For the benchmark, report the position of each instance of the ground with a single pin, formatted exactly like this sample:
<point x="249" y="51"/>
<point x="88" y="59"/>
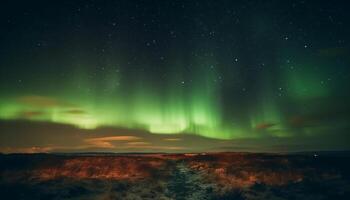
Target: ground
<point x="175" y="176"/>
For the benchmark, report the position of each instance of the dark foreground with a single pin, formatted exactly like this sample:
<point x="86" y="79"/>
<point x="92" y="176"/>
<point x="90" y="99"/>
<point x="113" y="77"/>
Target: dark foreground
<point x="175" y="176"/>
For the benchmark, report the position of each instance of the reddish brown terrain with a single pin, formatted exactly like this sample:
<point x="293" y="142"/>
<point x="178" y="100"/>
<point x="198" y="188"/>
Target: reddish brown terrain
<point x="174" y="176"/>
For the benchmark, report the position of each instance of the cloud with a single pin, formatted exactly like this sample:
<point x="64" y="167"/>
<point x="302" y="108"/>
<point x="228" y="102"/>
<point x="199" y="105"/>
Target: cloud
<point x="299" y="121"/>
<point x="172" y="139"/>
<point x="105" y="142"/>
<point x="75" y="111"/>
<point x="30" y="114"/>
<point x="138" y="143"/>
<point x="34" y="149"/>
<point x="155" y="147"/>
<point x="43" y="101"/>
<point x="264" y="126"/>
<point x="37" y="136"/>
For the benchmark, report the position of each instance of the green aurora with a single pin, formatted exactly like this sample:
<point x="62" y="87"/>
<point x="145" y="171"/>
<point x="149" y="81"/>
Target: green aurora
<point x="179" y="106"/>
<point x="223" y="71"/>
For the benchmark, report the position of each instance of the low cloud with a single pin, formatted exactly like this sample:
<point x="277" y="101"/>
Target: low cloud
<point x="30" y="114"/>
<point x="138" y="143"/>
<point x="154" y="147"/>
<point x="36" y="136"/>
<point x="105" y="142"/>
<point x="75" y="112"/>
<point x="264" y="126"/>
<point x="43" y="101"/>
<point x="172" y="139"/>
<point x="34" y="149"/>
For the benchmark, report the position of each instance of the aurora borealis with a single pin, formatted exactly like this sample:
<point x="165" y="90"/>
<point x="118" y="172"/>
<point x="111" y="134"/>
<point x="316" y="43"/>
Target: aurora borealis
<point x="227" y="71"/>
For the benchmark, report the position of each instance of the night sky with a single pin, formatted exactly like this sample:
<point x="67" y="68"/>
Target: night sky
<point x="162" y="75"/>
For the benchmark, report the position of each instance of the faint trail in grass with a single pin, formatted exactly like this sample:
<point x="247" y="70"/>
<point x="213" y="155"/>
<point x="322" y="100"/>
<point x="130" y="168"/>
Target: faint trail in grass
<point x="187" y="184"/>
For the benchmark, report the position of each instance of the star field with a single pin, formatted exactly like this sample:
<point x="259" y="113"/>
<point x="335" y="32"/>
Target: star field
<point x="218" y="69"/>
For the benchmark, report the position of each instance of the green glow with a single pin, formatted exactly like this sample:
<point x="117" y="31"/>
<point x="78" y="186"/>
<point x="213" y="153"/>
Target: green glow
<point x="305" y="83"/>
<point x="180" y="105"/>
<point x="270" y="116"/>
<point x="184" y="106"/>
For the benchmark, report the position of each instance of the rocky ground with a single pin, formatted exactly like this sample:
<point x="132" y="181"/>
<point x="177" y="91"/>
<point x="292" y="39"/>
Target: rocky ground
<point x="181" y="176"/>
